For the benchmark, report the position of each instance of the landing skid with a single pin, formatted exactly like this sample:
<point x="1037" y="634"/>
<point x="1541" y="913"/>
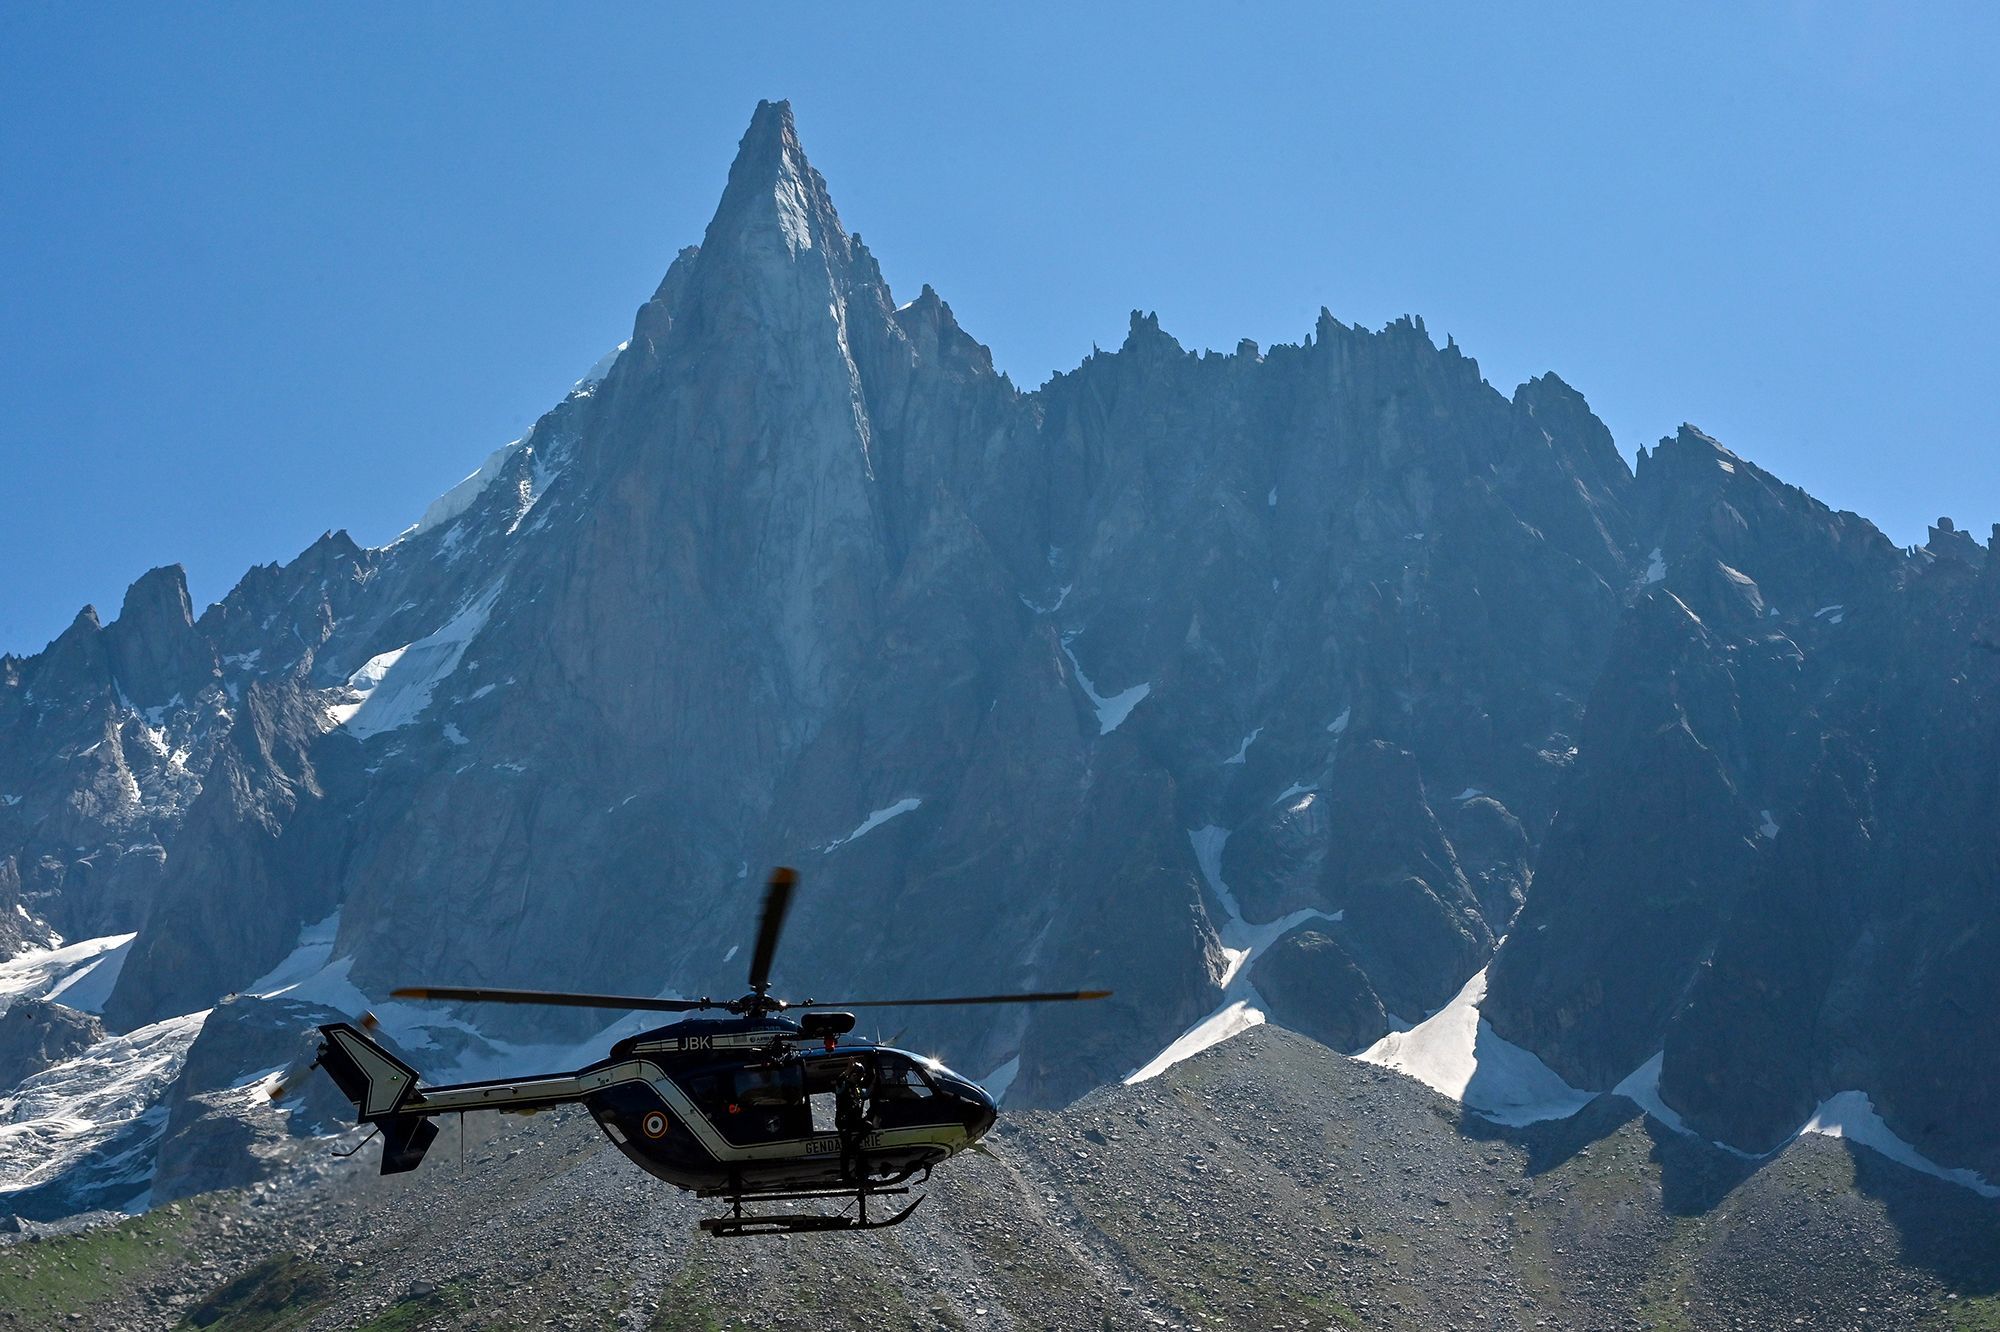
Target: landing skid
<point x="787" y="1223"/>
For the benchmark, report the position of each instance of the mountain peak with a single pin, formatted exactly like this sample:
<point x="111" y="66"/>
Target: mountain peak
<point x="771" y="128"/>
<point x="771" y="182"/>
<point x="160" y="596"/>
<point x="154" y="650"/>
<point x="935" y="333"/>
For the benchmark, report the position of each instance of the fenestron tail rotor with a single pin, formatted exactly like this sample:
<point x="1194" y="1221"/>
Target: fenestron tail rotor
<point x="770" y="926"/>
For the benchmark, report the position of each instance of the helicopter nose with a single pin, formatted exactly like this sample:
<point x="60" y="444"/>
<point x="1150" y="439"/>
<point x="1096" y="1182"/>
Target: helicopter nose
<point x="979" y="1117"/>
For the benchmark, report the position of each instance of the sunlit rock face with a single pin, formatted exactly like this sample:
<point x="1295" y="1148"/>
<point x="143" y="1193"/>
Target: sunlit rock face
<point x="1053" y="688"/>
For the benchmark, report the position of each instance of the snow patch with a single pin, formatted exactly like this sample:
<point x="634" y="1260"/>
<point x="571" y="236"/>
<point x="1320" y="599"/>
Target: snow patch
<point x="1338" y="726"/>
<point x="1469" y="793"/>
<point x="37" y="973"/>
<point x="1000" y="1079"/>
<point x="545" y="465"/>
<point x="62" y="1117"/>
<point x="309" y="956"/>
<point x="1851" y="1115"/>
<point x="393" y="688"/>
<point x="1656" y="567"/>
<point x="453" y="734"/>
<point x="9" y="800"/>
<point x="1767" y="828"/>
<point x="1062" y="595"/>
<point x="88" y="987"/>
<point x="1111" y="711"/>
<point x="596" y="374"/>
<point x="1231" y="1019"/>
<point x="255" y="1090"/>
<point x="454" y="502"/>
<point x="1455" y="1052"/>
<point x="1833" y="614"/>
<point x="876" y="820"/>
<point x="1242" y="1007"/>
<point x="1642" y="1088"/>
<point x="1243" y="749"/>
<point x="419" y="1027"/>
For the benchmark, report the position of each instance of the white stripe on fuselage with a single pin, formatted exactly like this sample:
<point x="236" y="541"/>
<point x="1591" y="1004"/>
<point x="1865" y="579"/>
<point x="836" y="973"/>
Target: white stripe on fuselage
<point x="576" y="1086"/>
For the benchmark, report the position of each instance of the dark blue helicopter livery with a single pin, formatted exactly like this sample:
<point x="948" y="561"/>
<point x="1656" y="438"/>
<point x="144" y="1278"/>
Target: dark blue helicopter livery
<point x="754" y="1105"/>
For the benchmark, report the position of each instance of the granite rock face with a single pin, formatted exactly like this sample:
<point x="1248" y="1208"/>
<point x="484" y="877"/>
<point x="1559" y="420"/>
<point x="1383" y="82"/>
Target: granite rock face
<point x="1052" y="688"/>
<point x="1316" y="989"/>
<point x="36" y="1034"/>
<point x="1774" y="861"/>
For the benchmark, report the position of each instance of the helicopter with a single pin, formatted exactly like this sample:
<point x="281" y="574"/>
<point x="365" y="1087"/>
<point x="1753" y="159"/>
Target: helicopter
<point x="746" y="1106"/>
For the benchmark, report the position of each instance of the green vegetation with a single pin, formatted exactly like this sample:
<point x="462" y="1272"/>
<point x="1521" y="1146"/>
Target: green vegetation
<point x="284" y="1290"/>
<point x="420" y="1311"/>
<point x="1981" y="1313"/>
<point x="45" y="1280"/>
<point x="683" y="1306"/>
<point x="1328" y="1307"/>
<point x="1663" y="1294"/>
<point x="267" y="1296"/>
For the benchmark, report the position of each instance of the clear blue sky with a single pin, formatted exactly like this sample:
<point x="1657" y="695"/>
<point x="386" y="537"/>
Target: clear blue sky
<point x="267" y="270"/>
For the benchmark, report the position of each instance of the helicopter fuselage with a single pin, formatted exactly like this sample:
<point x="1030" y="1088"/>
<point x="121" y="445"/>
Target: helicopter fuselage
<point x="751" y="1105"/>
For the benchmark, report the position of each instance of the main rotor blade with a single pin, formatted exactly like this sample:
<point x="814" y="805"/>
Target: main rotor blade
<point x="777" y="901"/>
<point x="1044" y="998"/>
<point x="630" y="1002"/>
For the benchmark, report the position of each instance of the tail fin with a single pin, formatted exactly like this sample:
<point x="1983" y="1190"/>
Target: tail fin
<point x="405" y="1139"/>
<point x="380" y="1085"/>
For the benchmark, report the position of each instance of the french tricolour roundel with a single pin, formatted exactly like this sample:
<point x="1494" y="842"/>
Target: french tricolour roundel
<point x="654" y="1125"/>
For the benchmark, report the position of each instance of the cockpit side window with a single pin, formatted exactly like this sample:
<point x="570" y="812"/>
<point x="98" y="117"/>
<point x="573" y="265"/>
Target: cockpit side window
<point x="898" y="1079"/>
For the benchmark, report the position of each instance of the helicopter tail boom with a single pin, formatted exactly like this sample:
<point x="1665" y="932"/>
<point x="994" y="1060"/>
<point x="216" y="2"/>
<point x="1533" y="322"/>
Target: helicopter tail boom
<point x="386" y="1095"/>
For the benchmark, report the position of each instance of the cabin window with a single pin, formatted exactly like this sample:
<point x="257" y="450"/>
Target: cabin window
<point x="751" y="1105"/>
<point x="824" y="1072"/>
